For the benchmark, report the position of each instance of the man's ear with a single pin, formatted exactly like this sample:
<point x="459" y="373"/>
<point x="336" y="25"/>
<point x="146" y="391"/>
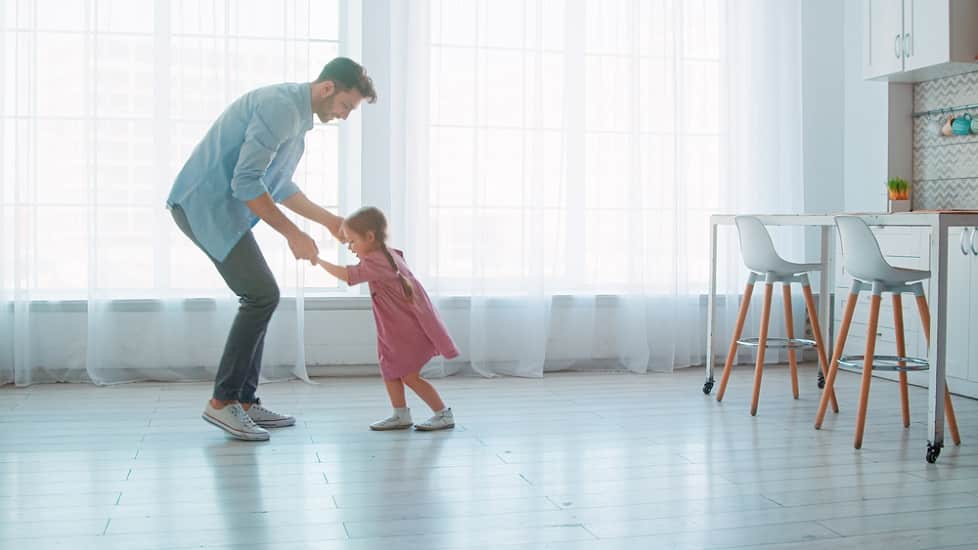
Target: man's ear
<point x="328" y="88"/>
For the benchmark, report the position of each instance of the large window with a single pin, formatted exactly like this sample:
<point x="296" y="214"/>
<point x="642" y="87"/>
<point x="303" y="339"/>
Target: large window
<point x="561" y="131"/>
<point x="101" y="103"/>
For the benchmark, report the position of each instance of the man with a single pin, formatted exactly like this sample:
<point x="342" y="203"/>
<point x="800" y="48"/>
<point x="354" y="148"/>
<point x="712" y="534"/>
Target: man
<point x="234" y="178"/>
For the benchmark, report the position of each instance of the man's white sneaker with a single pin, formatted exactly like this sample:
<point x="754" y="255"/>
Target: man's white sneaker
<point x="443" y="420"/>
<point x="400" y="420"/>
<point x="234" y="420"/>
<point x="269" y="419"/>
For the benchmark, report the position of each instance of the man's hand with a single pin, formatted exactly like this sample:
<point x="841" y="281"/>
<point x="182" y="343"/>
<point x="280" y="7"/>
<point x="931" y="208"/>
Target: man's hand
<point x="340" y="234"/>
<point x="303" y="247"/>
<point x="301" y="205"/>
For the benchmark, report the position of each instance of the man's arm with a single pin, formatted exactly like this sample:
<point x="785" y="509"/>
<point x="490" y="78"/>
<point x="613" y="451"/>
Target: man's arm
<point x="269" y="127"/>
<point x="301" y="205"/>
<point x="337" y="271"/>
<point x="302" y="245"/>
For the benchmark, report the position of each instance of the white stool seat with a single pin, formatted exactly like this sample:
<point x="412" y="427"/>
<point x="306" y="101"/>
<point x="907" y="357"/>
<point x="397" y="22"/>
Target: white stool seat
<point x="791" y="268"/>
<point x="759" y="253"/>
<point x="903" y="275"/>
<point x="864" y="259"/>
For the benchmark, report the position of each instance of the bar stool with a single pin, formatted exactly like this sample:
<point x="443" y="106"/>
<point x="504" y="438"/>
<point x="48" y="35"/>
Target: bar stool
<point x="869" y="270"/>
<point x="763" y="261"/>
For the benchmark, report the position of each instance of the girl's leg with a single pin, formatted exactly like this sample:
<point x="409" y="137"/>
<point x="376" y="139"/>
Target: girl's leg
<point x="425" y="391"/>
<point x="401" y="419"/>
<point x="395" y="389"/>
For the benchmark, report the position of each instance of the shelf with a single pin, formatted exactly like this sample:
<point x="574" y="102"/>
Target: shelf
<point x="971" y="107"/>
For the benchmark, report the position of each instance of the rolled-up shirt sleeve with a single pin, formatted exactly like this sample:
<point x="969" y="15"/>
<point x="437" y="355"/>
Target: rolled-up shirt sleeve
<point x="284" y="191"/>
<point x="270" y="126"/>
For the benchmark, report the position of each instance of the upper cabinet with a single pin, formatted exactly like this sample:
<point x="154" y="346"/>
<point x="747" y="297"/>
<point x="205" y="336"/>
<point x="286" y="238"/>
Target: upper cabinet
<point x="916" y="40"/>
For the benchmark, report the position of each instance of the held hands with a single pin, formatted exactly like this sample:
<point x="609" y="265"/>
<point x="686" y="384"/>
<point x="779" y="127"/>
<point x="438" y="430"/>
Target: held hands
<point x="304" y="247"/>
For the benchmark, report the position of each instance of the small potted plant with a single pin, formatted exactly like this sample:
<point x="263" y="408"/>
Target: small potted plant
<point x="898" y="195"/>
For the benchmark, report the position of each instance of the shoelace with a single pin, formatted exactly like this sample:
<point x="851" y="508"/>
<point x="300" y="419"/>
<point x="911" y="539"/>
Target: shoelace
<point x="242" y="415"/>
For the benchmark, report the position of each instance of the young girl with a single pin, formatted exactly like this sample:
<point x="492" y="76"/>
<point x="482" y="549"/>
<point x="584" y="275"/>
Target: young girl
<point x="409" y="331"/>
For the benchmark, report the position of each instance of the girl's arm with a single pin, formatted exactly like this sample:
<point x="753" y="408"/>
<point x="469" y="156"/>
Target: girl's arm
<point x="337" y="271"/>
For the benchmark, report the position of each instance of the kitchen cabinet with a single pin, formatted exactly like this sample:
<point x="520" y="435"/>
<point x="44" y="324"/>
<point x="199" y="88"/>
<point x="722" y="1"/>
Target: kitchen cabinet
<point x="916" y="40"/>
<point x="962" y="320"/>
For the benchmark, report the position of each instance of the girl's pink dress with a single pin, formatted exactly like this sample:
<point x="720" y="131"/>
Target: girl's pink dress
<point x="409" y="333"/>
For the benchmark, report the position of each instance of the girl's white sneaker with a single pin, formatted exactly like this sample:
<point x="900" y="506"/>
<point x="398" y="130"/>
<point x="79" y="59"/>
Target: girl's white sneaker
<point x="443" y="420"/>
<point x="400" y="420"/>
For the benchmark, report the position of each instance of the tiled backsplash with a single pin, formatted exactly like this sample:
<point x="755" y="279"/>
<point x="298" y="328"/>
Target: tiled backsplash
<point x="945" y="168"/>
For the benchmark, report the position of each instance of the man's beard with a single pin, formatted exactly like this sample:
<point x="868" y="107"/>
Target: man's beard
<point x="325" y="113"/>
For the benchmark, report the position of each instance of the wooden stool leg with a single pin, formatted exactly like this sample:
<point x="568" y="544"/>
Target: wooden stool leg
<point x="901" y="349"/>
<point x="789" y="327"/>
<point x="819" y="344"/>
<point x="924" y="317"/>
<point x="874" y="317"/>
<point x="952" y="421"/>
<point x="761" y="346"/>
<point x="732" y="352"/>
<point x="840" y="344"/>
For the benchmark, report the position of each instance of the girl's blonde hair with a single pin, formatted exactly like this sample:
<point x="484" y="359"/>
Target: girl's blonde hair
<point x="369" y="219"/>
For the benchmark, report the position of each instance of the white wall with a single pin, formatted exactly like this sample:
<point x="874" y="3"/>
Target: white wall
<point x="865" y="127"/>
<point x="823" y="106"/>
<point x="844" y="117"/>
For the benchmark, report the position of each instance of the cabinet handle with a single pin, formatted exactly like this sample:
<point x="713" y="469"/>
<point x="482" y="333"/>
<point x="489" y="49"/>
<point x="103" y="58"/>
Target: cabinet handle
<point x="974" y="244"/>
<point x="964" y="240"/>
<point x="896" y="46"/>
<point x="907" y="45"/>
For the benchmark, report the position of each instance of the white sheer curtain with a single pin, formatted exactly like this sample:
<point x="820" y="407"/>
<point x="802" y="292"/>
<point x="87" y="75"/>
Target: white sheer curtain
<point x="100" y="104"/>
<point x="556" y="163"/>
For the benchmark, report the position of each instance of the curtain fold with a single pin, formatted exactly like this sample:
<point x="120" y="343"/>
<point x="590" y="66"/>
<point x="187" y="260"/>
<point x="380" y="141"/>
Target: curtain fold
<point x="561" y="161"/>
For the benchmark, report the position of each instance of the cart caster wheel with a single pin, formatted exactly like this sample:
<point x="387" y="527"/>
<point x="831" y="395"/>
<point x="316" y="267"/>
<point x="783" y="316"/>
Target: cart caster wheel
<point x="932" y="453"/>
<point x="707" y="387"/>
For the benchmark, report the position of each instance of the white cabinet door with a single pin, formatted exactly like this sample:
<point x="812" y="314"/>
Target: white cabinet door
<point x="973" y="328"/>
<point x="927" y="31"/>
<point x="882" y="37"/>
<point x="960" y="302"/>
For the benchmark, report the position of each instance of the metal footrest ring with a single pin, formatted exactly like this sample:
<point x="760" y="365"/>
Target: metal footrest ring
<point x="886" y="362"/>
<point x="789" y="343"/>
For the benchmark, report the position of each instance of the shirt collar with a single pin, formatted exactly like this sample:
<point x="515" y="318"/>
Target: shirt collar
<point x="305" y="106"/>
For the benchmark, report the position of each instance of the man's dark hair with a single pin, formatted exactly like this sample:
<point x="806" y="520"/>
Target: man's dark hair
<point x="346" y="73"/>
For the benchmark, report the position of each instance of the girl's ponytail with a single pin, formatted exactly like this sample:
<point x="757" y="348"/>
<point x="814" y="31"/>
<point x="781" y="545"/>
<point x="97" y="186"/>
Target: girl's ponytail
<point x="405" y="284"/>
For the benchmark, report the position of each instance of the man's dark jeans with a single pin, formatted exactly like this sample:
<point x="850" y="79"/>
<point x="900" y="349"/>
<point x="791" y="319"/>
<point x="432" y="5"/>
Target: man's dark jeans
<point x="247" y="275"/>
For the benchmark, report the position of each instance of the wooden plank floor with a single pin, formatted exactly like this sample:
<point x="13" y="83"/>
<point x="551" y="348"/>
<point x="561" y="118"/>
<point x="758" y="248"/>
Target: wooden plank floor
<point x="573" y="461"/>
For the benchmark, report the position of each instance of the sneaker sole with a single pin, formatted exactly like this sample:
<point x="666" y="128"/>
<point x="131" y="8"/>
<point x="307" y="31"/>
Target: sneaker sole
<point x="404" y="427"/>
<point x="232" y="432"/>
<point x="427" y="429"/>
<point x="277" y="423"/>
